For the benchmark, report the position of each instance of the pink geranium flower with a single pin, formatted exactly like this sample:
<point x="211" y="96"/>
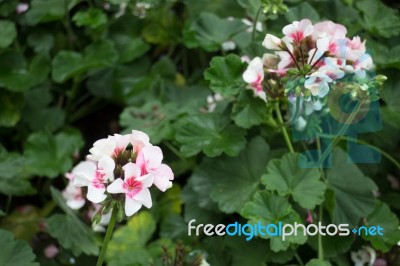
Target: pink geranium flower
<point x="254" y="76"/>
<point x="149" y="162"/>
<point x="298" y="30"/>
<point x="94" y="177"/>
<point x="135" y="187"/>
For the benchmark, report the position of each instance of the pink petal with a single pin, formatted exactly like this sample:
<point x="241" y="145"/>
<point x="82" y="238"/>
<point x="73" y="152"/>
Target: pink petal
<point x="162" y="177"/>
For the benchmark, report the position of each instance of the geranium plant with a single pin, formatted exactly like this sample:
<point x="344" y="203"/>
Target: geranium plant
<point x="131" y="128"/>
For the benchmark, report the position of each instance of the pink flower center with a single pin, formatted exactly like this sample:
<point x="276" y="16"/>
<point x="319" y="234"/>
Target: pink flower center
<point x="98" y="181"/>
<point x="297" y="36"/>
<point x="133" y="186"/>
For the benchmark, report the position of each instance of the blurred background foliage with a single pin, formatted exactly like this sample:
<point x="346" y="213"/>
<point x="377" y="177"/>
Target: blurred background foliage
<point x="74" y="71"/>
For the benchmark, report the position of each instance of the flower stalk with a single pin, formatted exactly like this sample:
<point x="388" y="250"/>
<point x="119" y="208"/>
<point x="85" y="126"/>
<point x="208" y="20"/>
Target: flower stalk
<point x="108" y="235"/>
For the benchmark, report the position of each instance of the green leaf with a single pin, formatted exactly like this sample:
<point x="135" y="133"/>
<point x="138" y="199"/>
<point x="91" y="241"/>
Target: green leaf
<point x="10" y="108"/>
<point x="386" y="219"/>
<point x="287" y="178"/>
<point x="93" y="18"/>
<point x="48" y="10"/>
<point x="252" y="7"/>
<point x="213" y="134"/>
<point x="41" y="42"/>
<point x="353" y="197"/>
<point x="8" y="32"/>
<point x="196" y="196"/>
<point x="15" y="252"/>
<point x="129" y="48"/>
<point x="235" y="180"/>
<point x="16" y="76"/>
<point x="272" y="209"/>
<point x="127" y="246"/>
<point x="67" y="64"/>
<point x="245" y="254"/>
<point x="72" y="234"/>
<point x="210" y="31"/>
<point x="248" y="110"/>
<point x="390" y="93"/>
<point x="225" y="75"/>
<point x="13" y="175"/>
<point x="302" y="11"/>
<point x="50" y="155"/>
<point x="385" y="26"/>
<point x="153" y="118"/>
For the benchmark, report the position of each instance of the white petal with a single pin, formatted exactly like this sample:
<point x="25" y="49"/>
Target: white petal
<point x="323" y="44"/>
<point x="289" y="29"/>
<point x="76" y="204"/>
<point x="271" y="42"/>
<point x="249" y="76"/>
<point x="102" y="147"/>
<point x="116" y="186"/>
<point x="131" y="206"/>
<point x="144" y="198"/>
<point x="131" y="170"/>
<point x="96" y="195"/>
<point x="85" y="169"/>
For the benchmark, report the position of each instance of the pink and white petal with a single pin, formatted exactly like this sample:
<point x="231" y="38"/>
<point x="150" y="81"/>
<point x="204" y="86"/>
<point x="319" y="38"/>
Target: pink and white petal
<point x="305" y="26"/>
<point x="249" y="76"/>
<point x="122" y="141"/>
<point x="116" y="187"/>
<point x="162" y="177"/>
<point x="139" y="139"/>
<point x="131" y="170"/>
<point x="106" y="166"/>
<point x="81" y="181"/>
<point x="102" y="147"/>
<point x="85" y="169"/>
<point x="144" y="197"/>
<point x="323" y="44"/>
<point x="146" y="180"/>
<point x="131" y="206"/>
<point x="289" y="29"/>
<point x="153" y="156"/>
<point x="96" y="195"/>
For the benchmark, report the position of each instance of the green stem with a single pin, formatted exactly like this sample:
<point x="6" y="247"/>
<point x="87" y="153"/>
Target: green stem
<point x="283" y="128"/>
<point x="359" y="141"/>
<point x="253" y="34"/>
<point x="296" y="255"/>
<point x="107" y="238"/>
<point x="328" y="150"/>
<point x="320" y="247"/>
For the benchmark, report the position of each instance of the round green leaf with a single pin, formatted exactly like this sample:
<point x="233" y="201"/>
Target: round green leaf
<point x="287" y="178"/>
<point x="15" y="252"/>
<point x="225" y="75"/>
<point x="213" y="134"/>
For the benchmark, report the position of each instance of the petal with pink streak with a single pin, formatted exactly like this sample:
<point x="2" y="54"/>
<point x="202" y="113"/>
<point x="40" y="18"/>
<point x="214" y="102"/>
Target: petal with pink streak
<point x="131" y="170"/>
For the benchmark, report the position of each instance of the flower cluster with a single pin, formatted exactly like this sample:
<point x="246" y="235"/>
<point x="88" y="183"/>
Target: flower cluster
<point x="119" y="167"/>
<point x="320" y="54"/>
